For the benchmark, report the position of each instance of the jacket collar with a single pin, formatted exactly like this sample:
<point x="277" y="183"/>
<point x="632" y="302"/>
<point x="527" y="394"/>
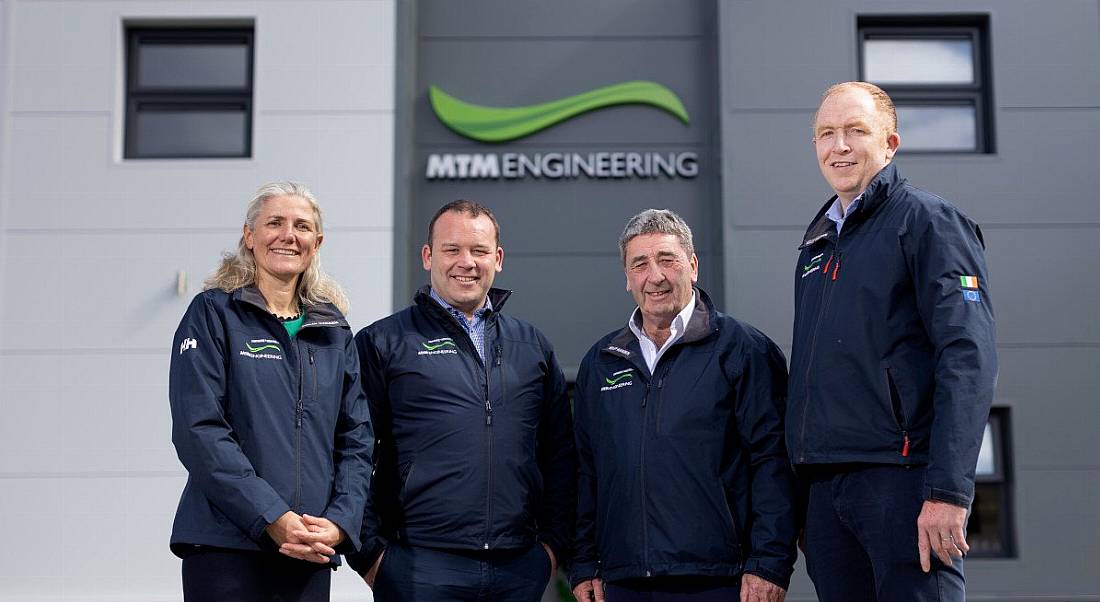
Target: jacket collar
<point x="701" y="325"/>
<point x="497" y="296"/>
<point x="878" y="192"/>
<point x="321" y="314"/>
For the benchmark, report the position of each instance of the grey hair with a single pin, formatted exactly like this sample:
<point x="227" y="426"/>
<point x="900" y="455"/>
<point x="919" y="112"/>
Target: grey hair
<point x="656" y="221"/>
<point x="238" y="269"/>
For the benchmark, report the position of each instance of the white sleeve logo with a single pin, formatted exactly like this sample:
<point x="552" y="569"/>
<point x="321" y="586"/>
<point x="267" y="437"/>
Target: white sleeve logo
<point x="188" y="344"/>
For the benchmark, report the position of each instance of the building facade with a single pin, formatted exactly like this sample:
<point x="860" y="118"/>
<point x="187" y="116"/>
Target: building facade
<point x="133" y="132"/>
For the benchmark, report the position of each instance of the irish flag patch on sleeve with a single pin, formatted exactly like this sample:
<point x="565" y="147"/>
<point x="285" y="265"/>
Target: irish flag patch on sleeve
<point x="969" y="281"/>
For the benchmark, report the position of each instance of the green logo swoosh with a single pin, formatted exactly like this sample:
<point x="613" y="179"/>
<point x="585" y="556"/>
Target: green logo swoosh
<point x="434" y="347"/>
<point x="612" y="381"/>
<point x="261" y="348"/>
<point x="499" y="124"/>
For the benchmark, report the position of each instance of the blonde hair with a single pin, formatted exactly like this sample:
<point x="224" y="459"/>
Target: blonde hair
<point x="238" y="269"/>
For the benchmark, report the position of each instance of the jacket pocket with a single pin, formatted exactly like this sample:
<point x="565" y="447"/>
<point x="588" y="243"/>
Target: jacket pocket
<point x="897" y="406"/>
<point x="406" y="476"/>
<point x="735" y="532"/>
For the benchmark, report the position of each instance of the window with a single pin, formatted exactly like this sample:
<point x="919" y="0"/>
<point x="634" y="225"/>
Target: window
<point x="937" y="72"/>
<point x="989" y="531"/>
<point x="188" y="92"/>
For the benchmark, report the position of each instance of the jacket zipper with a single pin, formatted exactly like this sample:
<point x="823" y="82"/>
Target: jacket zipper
<point x="641" y="480"/>
<point x="298" y="431"/>
<point x="489" y="445"/>
<point x="834" y="263"/>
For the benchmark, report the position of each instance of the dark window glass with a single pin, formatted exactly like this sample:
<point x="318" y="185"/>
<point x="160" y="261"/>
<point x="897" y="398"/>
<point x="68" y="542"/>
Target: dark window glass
<point x="990" y="530"/>
<point x="937" y="71"/>
<point x="189" y="92"/>
<point x="193" y="66"/>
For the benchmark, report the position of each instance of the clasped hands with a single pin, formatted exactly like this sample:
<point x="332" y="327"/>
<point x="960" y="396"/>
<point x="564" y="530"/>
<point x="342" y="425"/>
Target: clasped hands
<point x="306" y="537"/>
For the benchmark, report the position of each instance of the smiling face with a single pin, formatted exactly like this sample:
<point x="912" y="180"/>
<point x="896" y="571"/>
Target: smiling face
<point x="852" y="142"/>
<point x="285" y="238"/>
<point x="463" y="259"/>
<point x="659" y="275"/>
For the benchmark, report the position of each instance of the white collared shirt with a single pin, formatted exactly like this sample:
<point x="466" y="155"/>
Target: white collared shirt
<point x="649" y="349"/>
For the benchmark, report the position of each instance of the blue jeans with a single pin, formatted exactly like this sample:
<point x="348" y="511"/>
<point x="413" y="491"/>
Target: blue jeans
<point x="861" y="537"/>
<point x="410" y="574"/>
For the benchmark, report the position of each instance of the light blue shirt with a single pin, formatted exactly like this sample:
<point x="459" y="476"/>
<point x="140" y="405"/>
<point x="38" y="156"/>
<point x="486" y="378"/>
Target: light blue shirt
<point x="837" y="213"/>
<point x="476" y="328"/>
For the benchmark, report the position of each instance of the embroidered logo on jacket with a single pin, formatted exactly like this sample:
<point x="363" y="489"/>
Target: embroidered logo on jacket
<point x="262" y="349"/>
<point x="618" y="380"/>
<point x="188" y="344"/>
<point x="813" y="266"/>
<point x="445" y="345"/>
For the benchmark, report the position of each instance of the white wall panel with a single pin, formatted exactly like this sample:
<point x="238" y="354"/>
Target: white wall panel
<point x="86" y="461"/>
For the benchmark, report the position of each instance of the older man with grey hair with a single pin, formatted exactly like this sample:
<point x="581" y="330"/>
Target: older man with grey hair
<point x="685" y="491"/>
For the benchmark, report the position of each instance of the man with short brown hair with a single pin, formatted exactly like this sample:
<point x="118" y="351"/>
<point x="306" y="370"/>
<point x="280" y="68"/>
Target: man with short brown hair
<point x="474" y="494"/>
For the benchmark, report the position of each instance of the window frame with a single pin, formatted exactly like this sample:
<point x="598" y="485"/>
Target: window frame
<point x="186" y="98"/>
<point x="1000" y="422"/>
<point x="978" y="93"/>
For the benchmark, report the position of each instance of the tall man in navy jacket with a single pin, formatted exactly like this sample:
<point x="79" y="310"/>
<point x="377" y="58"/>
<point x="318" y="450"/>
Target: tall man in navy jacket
<point x="685" y="490"/>
<point x="474" y="494"/>
<point x="892" y="369"/>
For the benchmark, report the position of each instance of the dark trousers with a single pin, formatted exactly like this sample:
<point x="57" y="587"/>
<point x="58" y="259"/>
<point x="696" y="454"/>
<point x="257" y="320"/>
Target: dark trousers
<point x="216" y="574"/>
<point x="675" y="589"/>
<point x="419" y="574"/>
<point x="861" y="537"/>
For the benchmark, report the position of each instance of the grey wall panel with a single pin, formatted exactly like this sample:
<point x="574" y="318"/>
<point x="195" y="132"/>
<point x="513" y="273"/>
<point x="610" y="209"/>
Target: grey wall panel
<point x="574" y="299"/>
<point x="1035" y="278"/>
<point x="1057" y="523"/>
<point x="1039" y="50"/>
<point x="534" y="19"/>
<point x="527" y="72"/>
<point x="1036" y="203"/>
<point x="108" y="299"/>
<point x="77" y="185"/>
<point x="775" y="55"/>
<point x="773" y="169"/>
<point x="1048" y="391"/>
<point x="760" y="290"/>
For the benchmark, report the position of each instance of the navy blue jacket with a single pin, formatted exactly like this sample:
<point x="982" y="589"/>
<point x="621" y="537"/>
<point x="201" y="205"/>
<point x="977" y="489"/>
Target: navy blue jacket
<point x="683" y="471"/>
<point x="471" y="455"/>
<point x="265" y="424"/>
<point x="894" y="357"/>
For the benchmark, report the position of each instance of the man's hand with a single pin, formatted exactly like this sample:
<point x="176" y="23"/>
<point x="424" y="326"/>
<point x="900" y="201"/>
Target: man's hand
<point x="372" y="572"/>
<point x="306" y="537"/>
<point x="758" y="589"/>
<point x="941" y="528"/>
<point x="553" y="562"/>
<point x="590" y="590"/>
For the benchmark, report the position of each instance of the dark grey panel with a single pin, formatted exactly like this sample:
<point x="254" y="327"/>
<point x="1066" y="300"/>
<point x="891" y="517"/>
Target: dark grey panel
<point x="579" y="216"/>
<point x="526" y="72"/>
<point x="560" y="236"/>
<point x="572" y="18"/>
